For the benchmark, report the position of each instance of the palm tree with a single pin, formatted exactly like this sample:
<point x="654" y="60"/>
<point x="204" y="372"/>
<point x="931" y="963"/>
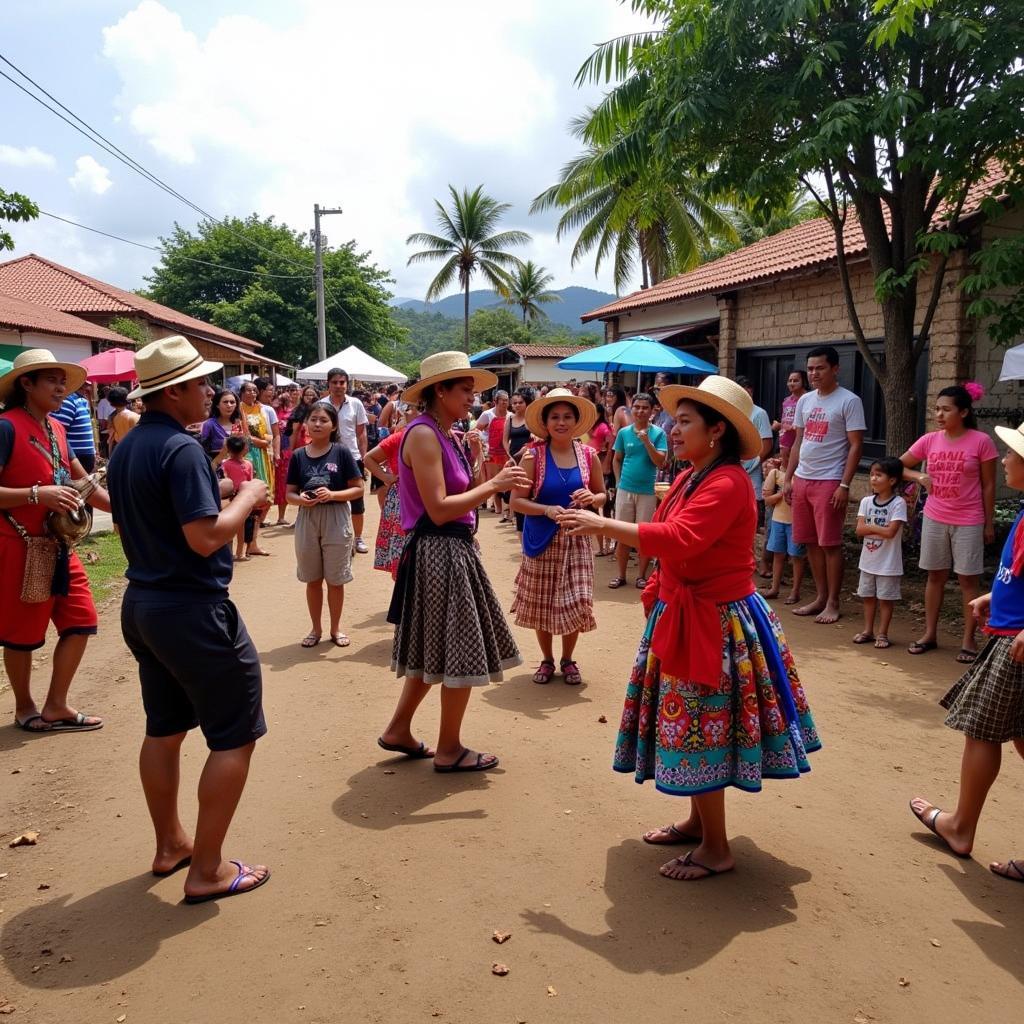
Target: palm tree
<point x="654" y="216"/>
<point x="467" y="243"/>
<point x="757" y="217"/>
<point x="526" y="290"/>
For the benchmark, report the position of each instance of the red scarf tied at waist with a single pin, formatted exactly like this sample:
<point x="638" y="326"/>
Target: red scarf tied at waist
<point x="688" y="636"/>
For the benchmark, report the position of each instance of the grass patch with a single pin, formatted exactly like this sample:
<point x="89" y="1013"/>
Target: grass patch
<point x="105" y="563"/>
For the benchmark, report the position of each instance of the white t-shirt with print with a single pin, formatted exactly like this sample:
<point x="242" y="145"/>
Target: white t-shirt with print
<point x="825" y="421"/>
<point x="881" y="556"/>
<point x="351" y="415"/>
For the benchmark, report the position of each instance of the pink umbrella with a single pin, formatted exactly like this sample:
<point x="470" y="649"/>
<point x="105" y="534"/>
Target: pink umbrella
<point x="116" y="364"/>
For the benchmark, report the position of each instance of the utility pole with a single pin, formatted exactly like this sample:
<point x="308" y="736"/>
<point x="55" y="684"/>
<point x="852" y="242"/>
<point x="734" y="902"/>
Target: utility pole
<point x="321" y="325"/>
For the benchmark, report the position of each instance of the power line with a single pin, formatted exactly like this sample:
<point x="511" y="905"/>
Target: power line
<point x="98" y="139"/>
<point x="191" y="259"/>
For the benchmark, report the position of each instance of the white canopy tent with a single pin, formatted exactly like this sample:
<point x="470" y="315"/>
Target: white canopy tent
<point x="1013" y="364"/>
<point x="280" y="380"/>
<point x="357" y="364"/>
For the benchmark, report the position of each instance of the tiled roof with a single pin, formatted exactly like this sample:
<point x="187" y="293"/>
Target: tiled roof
<point x="50" y="284"/>
<point x="30" y="316"/>
<point x="806" y="247"/>
<point x="548" y="351"/>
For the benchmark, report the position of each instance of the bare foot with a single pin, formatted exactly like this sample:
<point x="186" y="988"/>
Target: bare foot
<point x="696" y="865"/>
<point x="792" y="599"/>
<point x="464" y="756"/>
<point x="66" y="713"/>
<point x="809" y="609"/>
<point x="770" y="592"/>
<point x="939" y="823"/>
<point x="1011" y="869"/>
<point x="688" y="831"/>
<point x="170" y="858"/>
<point x="232" y="876"/>
<point x="828" y="615"/>
<point x="403" y="741"/>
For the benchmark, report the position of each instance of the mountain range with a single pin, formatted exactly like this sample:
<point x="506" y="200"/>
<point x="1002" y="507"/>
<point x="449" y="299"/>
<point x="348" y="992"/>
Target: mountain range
<point x="575" y="302"/>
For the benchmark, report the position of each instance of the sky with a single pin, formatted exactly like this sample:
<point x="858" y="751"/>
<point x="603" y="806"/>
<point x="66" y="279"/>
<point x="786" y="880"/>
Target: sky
<point x="269" y="106"/>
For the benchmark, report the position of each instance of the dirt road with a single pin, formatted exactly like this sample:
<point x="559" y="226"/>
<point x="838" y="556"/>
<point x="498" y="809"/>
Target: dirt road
<point x="389" y="879"/>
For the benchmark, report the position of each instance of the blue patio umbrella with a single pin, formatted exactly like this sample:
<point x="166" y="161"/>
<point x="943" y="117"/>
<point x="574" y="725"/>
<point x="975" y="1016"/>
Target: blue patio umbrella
<point x="640" y="354"/>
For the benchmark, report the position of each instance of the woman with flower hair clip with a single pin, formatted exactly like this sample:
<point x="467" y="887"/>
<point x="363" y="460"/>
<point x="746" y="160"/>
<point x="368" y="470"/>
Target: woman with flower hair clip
<point x="958" y="519"/>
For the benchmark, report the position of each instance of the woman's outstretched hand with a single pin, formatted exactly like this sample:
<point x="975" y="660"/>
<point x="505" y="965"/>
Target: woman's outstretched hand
<point x="581" y="523"/>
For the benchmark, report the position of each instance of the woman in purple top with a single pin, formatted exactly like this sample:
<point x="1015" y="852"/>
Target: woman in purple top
<point x="225" y="419"/>
<point x="449" y="626"/>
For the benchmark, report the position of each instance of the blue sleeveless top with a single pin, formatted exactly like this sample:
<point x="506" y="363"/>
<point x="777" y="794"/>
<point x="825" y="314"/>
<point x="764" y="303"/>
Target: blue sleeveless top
<point x="557" y="489"/>
<point x="1007" y="610"/>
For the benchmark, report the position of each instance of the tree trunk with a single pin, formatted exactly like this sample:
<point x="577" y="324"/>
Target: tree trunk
<point x="898" y="387"/>
<point x="465" y="315"/>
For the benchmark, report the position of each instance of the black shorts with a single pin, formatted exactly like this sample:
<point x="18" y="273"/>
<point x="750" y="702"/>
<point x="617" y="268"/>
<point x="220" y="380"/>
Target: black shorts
<point x="197" y="666"/>
<point x="359" y="505"/>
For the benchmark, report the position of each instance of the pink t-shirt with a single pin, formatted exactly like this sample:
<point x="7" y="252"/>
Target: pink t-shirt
<point x="599" y="436"/>
<point x="954" y="465"/>
<point x="237" y="471"/>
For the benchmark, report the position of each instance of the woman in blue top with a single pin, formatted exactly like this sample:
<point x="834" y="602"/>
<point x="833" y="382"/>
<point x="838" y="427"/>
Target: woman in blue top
<point x="554" y="588"/>
<point x="987" y="703"/>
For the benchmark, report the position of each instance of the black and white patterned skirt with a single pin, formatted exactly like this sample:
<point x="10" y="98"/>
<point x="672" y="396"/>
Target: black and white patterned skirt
<point x="452" y="628"/>
<point x="987" y="702"/>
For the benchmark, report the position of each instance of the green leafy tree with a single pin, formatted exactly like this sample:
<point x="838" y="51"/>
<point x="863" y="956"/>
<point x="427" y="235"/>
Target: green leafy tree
<point x="254" y="277"/>
<point x="129" y="328"/>
<point x="644" y="211"/>
<point x="527" y="290"/>
<point x="468" y="244"/>
<point x="889" y="110"/>
<point x="755" y="217"/>
<point x="14" y="206"/>
<point x="492" y="328"/>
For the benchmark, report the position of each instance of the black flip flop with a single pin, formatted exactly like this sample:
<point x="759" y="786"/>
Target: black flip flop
<point x="689" y="862"/>
<point x="232" y="889"/>
<point x="415" y="753"/>
<point x="183" y="863"/>
<point x="680" y="837"/>
<point x="76" y="724"/>
<point x="922" y="648"/>
<point x="966" y="657"/>
<point x="928" y="820"/>
<point x="480" y="766"/>
<point x="27" y="724"/>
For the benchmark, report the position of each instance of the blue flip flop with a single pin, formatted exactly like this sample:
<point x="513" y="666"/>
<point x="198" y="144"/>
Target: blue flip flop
<point x="232" y="889"/>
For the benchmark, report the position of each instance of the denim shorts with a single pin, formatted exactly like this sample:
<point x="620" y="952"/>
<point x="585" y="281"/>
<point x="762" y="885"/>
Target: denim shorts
<point x="780" y="540"/>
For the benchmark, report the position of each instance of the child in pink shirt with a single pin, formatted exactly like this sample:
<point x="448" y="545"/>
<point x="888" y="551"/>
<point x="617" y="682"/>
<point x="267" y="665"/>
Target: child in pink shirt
<point x="238" y="470"/>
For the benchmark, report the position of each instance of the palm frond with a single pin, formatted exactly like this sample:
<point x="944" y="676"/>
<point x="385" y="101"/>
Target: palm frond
<point x="442" y="283"/>
<point x="613" y="59"/>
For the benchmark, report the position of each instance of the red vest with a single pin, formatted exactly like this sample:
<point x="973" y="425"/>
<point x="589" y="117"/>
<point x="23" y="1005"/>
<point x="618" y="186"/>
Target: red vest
<point x="30" y="464"/>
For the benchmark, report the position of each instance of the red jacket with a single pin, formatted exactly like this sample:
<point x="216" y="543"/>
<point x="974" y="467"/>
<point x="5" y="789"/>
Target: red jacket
<point x="705" y="550"/>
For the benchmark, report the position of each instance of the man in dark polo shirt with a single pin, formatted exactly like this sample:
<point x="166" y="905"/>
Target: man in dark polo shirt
<point x="197" y="664"/>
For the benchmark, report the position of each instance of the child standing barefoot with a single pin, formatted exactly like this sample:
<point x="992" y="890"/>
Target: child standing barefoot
<point x="987" y="703"/>
<point x="880" y="521"/>
<point x="780" y="541"/>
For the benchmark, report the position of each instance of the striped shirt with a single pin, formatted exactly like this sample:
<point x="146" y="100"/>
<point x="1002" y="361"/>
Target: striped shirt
<point x="77" y="420"/>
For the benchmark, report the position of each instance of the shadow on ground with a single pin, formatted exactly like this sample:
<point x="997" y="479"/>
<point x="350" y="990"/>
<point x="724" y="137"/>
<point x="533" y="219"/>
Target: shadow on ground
<point x="665" y="927"/>
<point x="106" y="934"/>
<point x="525" y="697"/>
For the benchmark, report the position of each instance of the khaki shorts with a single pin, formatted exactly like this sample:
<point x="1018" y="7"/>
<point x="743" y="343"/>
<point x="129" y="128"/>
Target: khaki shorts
<point x="634" y="508"/>
<point x="960" y="548"/>
<point x="885" y="588"/>
<point x="323" y="544"/>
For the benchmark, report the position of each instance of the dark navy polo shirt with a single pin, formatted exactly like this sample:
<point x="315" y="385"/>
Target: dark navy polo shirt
<point x="159" y="479"/>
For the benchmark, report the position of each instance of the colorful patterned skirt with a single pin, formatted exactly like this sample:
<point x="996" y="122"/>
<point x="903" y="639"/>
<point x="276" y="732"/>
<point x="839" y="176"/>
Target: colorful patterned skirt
<point x="693" y="740"/>
<point x="281" y="478"/>
<point x="390" y="535"/>
<point x="262" y="468"/>
<point x="554" y="592"/>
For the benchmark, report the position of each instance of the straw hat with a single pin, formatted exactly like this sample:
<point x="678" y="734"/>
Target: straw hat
<point x="442" y="366"/>
<point x="33" y="359"/>
<point x="169" y="361"/>
<point x="586" y="412"/>
<point x="724" y="396"/>
<point x="1012" y="438"/>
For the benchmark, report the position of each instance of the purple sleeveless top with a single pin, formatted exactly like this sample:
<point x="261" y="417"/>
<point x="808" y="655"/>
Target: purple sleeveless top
<point x="456" y="478"/>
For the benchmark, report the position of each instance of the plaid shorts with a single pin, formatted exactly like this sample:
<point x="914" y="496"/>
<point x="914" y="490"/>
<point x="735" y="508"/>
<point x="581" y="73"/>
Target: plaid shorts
<point x="987" y="702"/>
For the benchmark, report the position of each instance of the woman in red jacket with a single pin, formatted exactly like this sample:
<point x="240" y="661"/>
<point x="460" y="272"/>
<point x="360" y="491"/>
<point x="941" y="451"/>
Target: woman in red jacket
<point x="714" y="699"/>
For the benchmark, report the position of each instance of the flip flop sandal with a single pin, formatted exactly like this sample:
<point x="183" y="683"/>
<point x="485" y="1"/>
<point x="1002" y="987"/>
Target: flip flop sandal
<point x="76" y="724"/>
<point x="232" y="889"/>
<point x="413" y="753"/>
<point x="882" y="642"/>
<point x="310" y="641"/>
<point x="1011" y="865"/>
<point x="966" y="657"/>
<point x="571" y="673"/>
<point x="679" y="837"/>
<point x="928" y="820"/>
<point x="917" y="647"/>
<point x="29" y="727"/>
<point x="689" y="862"/>
<point x="340" y="640"/>
<point x="480" y="765"/>
<point x="864" y="638"/>
<point x="544" y="672"/>
<point x="619" y="581"/>
<point x="641" y="582"/>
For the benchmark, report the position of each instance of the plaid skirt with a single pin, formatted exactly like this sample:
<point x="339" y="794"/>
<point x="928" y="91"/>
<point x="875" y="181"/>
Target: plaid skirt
<point x="453" y="630"/>
<point x="987" y="701"/>
<point x="554" y="592"/>
<point x="390" y="535"/>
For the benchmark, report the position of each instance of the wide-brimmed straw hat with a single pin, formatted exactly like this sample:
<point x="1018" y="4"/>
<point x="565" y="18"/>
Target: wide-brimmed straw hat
<point x="442" y="366"/>
<point x="1012" y="438"/>
<point x="586" y="412"/>
<point x="33" y="359"/>
<point x="724" y="396"/>
<point x="169" y="361"/>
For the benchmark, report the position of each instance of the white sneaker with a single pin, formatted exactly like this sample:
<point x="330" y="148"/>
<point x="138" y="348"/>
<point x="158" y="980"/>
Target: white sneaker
<point x="361" y="546"/>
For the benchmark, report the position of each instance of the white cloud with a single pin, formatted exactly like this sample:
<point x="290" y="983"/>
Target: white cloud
<point x="30" y="156"/>
<point x="328" y="104"/>
<point x="90" y="176"/>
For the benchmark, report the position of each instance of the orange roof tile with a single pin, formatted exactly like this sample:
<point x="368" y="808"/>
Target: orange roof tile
<point x="806" y="247"/>
<point x="21" y="315"/>
<point x="42" y="281"/>
<point x="548" y="351"/>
